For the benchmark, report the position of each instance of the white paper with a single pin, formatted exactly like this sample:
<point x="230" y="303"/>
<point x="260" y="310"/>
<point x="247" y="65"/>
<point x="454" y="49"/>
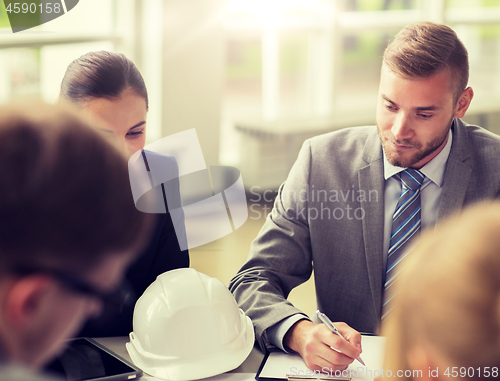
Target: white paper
<point x="280" y="364"/>
<point x="220" y="377"/>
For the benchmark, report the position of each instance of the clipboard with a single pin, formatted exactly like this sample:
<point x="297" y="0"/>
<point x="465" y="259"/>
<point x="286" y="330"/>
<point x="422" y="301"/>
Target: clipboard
<point x="280" y="366"/>
<point x="295" y="373"/>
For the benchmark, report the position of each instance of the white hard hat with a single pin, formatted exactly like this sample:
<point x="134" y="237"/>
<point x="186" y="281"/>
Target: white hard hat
<point x="188" y="326"/>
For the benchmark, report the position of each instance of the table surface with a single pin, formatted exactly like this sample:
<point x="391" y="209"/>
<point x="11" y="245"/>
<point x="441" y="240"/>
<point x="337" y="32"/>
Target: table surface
<point x="373" y="351"/>
<point x="117" y="345"/>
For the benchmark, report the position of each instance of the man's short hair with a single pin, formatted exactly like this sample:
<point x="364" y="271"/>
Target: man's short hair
<point x="423" y="49"/>
<point x="66" y="201"/>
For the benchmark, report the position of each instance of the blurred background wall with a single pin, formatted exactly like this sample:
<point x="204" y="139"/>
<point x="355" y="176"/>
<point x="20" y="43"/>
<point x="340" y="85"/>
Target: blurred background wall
<point x="254" y="77"/>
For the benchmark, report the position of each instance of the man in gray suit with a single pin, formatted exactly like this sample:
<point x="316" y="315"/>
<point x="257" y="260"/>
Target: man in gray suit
<point x="335" y="211"/>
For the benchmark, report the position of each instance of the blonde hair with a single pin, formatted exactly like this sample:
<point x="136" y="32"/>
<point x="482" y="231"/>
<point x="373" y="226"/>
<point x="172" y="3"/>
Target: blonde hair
<point x="423" y="49"/>
<point x="448" y="297"/>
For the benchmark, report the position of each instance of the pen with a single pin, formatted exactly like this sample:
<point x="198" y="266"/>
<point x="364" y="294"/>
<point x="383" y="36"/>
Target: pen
<point x="334" y="329"/>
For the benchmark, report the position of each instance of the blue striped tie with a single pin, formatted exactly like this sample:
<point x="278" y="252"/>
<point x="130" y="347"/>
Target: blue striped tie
<point x="405" y="225"/>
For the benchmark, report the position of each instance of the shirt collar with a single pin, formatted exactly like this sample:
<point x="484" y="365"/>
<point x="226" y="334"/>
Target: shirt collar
<point x="434" y="169"/>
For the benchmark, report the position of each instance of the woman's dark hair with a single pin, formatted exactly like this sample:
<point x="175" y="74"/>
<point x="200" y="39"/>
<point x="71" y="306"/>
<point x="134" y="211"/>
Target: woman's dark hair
<point x="101" y="74"/>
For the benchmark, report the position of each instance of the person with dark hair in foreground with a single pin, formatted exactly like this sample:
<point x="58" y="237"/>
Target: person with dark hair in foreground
<point x="109" y="88"/>
<point x="69" y="229"/>
<point x="355" y="201"/>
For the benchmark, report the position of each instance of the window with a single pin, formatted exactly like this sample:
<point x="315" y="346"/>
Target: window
<point x="300" y="68"/>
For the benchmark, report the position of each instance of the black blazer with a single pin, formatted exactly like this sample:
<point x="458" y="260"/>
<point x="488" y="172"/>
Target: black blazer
<point x="162" y="254"/>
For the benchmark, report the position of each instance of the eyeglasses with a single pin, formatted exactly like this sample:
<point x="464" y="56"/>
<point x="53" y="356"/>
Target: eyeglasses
<point x="120" y="298"/>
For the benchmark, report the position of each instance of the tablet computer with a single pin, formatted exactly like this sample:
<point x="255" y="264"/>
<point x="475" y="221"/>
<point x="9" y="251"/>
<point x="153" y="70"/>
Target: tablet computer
<point x="86" y="359"/>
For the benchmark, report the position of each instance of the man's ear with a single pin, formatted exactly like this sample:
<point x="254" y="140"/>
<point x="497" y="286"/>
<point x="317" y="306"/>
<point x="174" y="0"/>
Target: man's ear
<point x="464" y="102"/>
<point x="26" y="300"/>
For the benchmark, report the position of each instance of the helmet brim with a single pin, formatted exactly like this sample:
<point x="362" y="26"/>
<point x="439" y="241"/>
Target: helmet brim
<point x="197" y="368"/>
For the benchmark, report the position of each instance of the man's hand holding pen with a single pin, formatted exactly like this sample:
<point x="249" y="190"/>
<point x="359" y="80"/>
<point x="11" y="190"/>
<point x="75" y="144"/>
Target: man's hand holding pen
<point x="320" y="348"/>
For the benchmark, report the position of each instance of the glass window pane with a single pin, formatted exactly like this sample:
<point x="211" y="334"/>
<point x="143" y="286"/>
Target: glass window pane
<point x="294" y="74"/>
<point x="4" y="19"/>
<point x="88" y="16"/>
<point x="19" y="73"/>
<point x="39" y="71"/>
<point x="380" y="5"/>
<point x="243" y="89"/>
<point x="359" y="75"/>
<point x="472" y="3"/>
<point x="483" y="45"/>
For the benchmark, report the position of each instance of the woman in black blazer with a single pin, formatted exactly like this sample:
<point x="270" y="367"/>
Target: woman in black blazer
<point x="109" y="88"/>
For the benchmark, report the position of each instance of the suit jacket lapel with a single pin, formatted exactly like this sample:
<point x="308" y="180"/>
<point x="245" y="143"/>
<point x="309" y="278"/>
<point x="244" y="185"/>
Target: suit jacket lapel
<point x="457" y="174"/>
<point x="371" y="178"/>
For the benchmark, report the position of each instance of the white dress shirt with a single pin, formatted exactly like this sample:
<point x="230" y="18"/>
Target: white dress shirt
<point x="430" y="195"/>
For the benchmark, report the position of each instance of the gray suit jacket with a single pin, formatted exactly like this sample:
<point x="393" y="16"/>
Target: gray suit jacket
<point x="330" y="213"/>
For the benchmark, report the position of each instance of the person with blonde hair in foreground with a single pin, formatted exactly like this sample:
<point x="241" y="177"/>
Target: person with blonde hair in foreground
<point x="446" y="318"/>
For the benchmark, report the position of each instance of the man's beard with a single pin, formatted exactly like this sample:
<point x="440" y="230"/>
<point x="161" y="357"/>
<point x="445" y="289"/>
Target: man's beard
<point x="422" y="152"/>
